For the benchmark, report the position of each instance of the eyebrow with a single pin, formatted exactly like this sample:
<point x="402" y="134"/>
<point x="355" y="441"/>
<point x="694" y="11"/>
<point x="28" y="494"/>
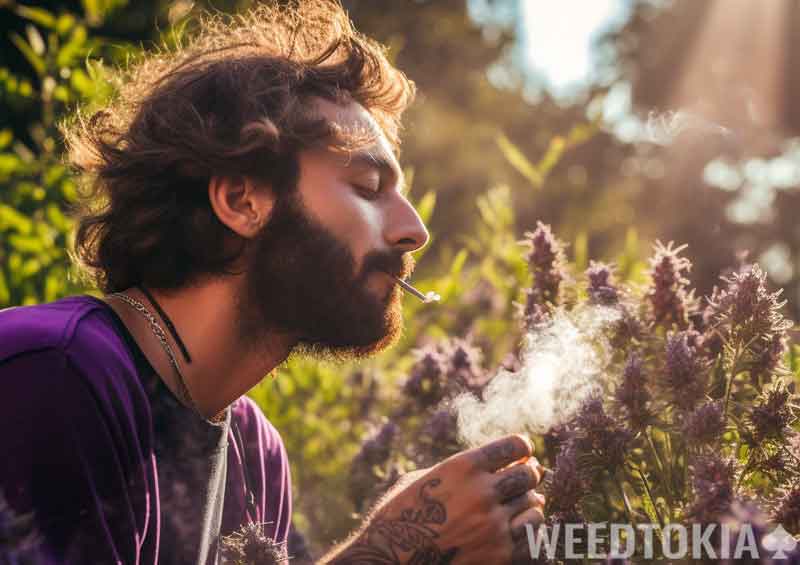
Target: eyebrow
<point x="382" y="164"/>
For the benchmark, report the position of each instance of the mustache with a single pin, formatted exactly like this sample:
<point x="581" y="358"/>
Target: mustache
<point x="399" y="264"/>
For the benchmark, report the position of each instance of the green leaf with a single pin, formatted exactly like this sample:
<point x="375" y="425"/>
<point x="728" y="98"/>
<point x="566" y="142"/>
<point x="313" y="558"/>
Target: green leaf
<point x="426" y="205"/>
<point x="70" y="190"/>
<point x="65" y="23"/>
<point x="6" y="137"/>
<point x="10" y="218"/>
<point x="74" y="48"/>
<point x="61" y="93"/>
<point x="26" y="244"/>
<point x="27" y="51"/>
<point x="553" y="155"/>
<point x="5" y="293"/>
<point x="93" y="11"/>
<point x="519" y="161"/>
<point x="36" y="14"/>
<point x="97" y="10"/>
<point x="54" y="284"/>
<point x="54" y="175"/>
<point x="30" y="267"/>
<point x="458" y="262"/>
<point x="81" y="83"/>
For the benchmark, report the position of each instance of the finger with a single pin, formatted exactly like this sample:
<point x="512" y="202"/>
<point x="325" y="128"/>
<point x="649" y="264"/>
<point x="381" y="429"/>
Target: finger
<point x="502" y="452"/>
<point x="516" y="480"/>
<point x="532" y="516"/>
<point x="521" y="503"/>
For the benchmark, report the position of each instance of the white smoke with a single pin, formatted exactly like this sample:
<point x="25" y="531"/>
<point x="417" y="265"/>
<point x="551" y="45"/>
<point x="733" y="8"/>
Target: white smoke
<point x="664" y="127"/>
<point x="564" y="363"/>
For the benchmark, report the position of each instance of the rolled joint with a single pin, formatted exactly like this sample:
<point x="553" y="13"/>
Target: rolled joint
<point x="426" y="298"/>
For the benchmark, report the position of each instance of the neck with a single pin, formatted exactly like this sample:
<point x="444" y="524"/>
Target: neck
<point x="224" y="365"/>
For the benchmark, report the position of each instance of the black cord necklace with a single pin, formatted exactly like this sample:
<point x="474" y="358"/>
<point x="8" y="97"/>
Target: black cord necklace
<point x="168" y="323"/>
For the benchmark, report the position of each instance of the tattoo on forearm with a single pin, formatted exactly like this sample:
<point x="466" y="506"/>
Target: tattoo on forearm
<point x="410" y="538"/>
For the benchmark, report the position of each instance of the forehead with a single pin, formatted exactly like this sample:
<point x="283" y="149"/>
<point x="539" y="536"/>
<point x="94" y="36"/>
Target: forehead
<point x="353" y="121"/>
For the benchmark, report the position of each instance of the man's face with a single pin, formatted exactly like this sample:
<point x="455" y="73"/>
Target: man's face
<point x="322" y="266"/>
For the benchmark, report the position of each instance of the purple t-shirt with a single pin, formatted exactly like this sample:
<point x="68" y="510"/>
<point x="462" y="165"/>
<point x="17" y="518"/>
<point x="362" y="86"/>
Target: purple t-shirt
<point x="100" y="463"/>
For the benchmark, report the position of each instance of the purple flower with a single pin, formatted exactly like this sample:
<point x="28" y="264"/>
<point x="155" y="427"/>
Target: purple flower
<point x="768" y="355"/>
<point x="555" y="438"/>
<point x="632" y="394"/>
<point x="249" y="546"/>
<point x="532" y="313"/>
<point x="683" y="371"/>
<point x="745" y="312"/>
<point x="368" y="467"/>
<point x="602" y="289"/>
<point x="366" y="387"/>
<point x="567" y="486"/>
<point x="671" y="302"/>
<point x="712" y="488"/>
<point x="426" y="384"/>
<point x="377" y="449"/>
<point x="778" y="465"/>
<point x="788" y="509"/>
<point x="598" y="438"/>
<point x="464" y="365"/>
<point x="705" y="425"/>
<point x="547" y="264"/>
<point x="772" y="414"/>
<point x="450" y="367"/>
<point x="629" y="328"/>
<point x="439" y="436"/>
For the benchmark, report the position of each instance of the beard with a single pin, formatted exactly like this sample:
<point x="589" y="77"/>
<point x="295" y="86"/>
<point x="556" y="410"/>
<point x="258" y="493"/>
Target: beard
<point x="302" y="280"/>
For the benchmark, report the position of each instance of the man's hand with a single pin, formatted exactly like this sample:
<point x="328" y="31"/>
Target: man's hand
<point x="471" y="508"/>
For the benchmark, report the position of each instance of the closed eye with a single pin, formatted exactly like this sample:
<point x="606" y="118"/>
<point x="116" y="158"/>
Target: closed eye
<point x="367" y="192"/>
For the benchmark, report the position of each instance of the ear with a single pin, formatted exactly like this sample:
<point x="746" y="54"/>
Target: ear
<point x="241" y="204"/>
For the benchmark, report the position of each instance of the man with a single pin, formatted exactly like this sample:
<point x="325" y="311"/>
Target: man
<point x="248" y="206"/>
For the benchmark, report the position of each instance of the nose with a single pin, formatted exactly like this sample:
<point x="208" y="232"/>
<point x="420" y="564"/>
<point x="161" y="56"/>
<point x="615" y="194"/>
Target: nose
<point x="404" y="228"/>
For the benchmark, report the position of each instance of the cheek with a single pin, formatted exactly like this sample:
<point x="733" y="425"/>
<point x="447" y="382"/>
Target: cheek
<point x="362" y="229"/>
<point x="352" y="219"/>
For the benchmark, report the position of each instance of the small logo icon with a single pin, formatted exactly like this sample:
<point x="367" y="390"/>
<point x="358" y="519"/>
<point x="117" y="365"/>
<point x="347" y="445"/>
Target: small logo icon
<point x="780" y="542"/>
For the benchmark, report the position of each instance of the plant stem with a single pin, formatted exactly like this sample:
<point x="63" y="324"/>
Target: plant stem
<point x="666" y="475"/>
<point x="628" y="510"/>
<point x="650" y="496"/>
<point x="729" y="383"/>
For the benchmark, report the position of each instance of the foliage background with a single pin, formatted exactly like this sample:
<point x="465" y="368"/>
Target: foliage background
<point x="487" y="162"/>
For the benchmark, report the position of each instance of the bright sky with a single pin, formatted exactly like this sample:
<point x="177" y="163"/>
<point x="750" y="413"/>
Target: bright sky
<point x="557" y="37"/>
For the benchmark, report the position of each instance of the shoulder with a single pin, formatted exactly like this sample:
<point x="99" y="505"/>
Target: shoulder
<point x="53" y="325"/>
<point x="79" y="328"/>
<point x="70" y="349"/>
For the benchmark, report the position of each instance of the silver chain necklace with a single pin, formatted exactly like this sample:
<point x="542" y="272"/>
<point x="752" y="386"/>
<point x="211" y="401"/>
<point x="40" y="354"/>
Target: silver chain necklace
<point x="158" y="331"/>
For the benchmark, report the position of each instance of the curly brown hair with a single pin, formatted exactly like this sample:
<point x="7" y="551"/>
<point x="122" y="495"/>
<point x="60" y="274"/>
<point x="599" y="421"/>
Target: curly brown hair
<point x="235" y="100"/>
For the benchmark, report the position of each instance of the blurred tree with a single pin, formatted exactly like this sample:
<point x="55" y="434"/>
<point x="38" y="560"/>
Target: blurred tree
<point x="719" y="77"/>
<point x="48" y="65"/>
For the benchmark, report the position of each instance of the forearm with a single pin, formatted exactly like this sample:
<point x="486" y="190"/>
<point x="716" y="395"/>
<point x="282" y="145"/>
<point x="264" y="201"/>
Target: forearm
<point x="409" y="534"/>
<point x="393" y="543"/>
